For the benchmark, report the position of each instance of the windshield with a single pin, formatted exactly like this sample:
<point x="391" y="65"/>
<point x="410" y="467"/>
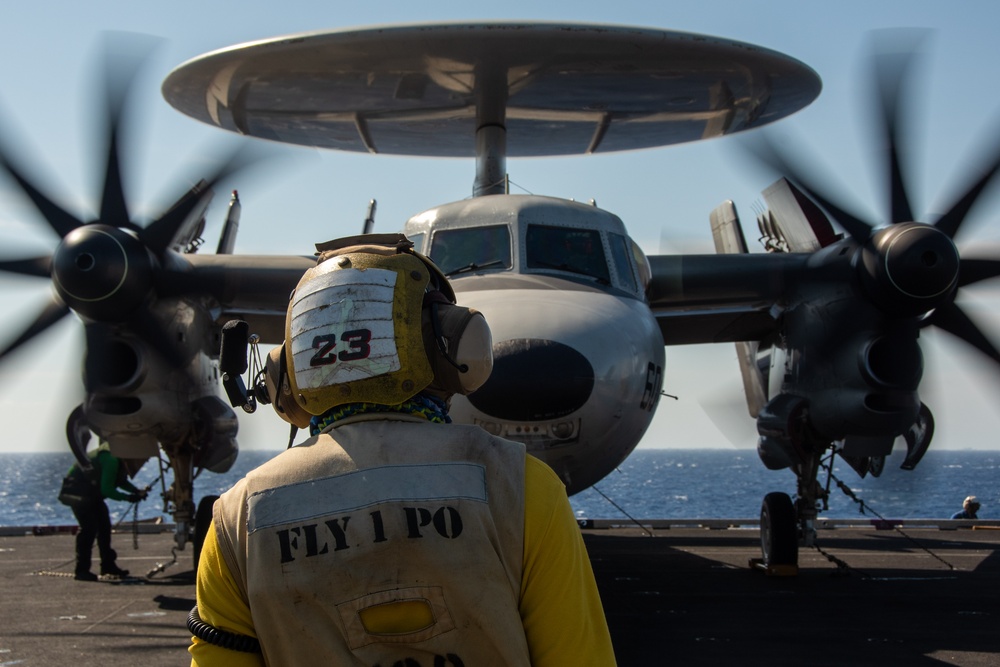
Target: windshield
<point x="623" y="267"/>
<point x="458" y="251"/>
<point x="566" y="249"/>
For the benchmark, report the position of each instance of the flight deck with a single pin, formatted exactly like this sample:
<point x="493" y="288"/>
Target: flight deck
<point x="684" y="593"/>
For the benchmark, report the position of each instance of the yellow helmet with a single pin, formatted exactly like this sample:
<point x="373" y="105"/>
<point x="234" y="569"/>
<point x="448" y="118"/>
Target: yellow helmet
<point x="355" y="328"/>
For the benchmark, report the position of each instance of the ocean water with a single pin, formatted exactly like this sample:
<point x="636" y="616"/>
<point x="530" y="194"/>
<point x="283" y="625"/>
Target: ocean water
<point x="650" y="484"/>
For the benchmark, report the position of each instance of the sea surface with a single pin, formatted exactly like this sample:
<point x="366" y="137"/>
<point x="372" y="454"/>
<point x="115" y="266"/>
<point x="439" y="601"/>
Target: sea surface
<point x="650" y="484"/>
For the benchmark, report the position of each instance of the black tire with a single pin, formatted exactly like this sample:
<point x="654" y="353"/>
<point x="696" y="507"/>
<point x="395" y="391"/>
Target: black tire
<point x="779" y="540"/>
<point x="202" y="521"/>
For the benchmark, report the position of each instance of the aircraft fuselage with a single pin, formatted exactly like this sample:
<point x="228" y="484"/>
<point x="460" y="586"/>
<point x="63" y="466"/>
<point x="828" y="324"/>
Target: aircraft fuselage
<point x="578" y="356"/>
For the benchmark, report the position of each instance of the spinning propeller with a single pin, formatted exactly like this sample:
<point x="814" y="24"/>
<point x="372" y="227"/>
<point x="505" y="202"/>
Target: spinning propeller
<point x="112" y="271"/>
<point x="841" y="365"/>
<point x="908" y="271"/>
<point x="908" y="268"/>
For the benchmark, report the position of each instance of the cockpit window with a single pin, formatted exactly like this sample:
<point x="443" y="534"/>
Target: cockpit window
<point x="458" y="251"/>
<point x="642" y="265"/>
<point x="623" y="267"/>
<point x="566" y="249"/>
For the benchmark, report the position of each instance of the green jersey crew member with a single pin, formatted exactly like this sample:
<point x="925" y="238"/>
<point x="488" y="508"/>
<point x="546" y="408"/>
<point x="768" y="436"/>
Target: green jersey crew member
<point x="84" y="492"/>
<point x="392" y="536"/>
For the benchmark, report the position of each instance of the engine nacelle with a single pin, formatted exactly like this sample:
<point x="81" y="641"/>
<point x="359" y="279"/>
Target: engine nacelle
<point x="781" y="424"/>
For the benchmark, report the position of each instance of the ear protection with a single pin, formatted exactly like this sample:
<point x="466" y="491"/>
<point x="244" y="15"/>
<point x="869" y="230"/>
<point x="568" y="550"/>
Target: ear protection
<point x="279" y="390"/>
<point x="374" y="322"/>
<point x="458" y="344"/>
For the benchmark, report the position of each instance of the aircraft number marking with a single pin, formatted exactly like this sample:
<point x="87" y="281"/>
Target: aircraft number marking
<point x="650" y="395"/>
<point x="357" y="347"/>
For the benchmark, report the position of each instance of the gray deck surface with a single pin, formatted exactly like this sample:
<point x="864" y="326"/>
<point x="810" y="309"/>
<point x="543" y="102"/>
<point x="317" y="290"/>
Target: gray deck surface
<point x="684" y="596"/>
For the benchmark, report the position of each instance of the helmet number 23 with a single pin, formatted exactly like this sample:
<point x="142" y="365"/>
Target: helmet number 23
<point x="326" y="347"/>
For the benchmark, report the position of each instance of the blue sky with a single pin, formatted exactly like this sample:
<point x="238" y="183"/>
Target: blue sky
<point x="663" y="195"/>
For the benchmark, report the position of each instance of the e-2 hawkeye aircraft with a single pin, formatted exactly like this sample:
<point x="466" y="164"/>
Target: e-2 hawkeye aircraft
<point x="826" y="328"/>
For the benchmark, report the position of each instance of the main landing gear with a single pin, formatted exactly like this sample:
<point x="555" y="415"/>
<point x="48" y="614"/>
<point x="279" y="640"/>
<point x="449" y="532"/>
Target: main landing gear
<point x="779" y="535"/>
<point x="785" y="524"/>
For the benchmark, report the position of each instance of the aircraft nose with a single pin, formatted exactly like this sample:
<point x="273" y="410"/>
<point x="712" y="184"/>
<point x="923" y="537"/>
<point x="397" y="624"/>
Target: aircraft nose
<point x="534" y="379"/>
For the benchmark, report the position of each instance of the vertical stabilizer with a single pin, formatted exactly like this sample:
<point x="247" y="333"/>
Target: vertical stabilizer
<point x="798" y="222"/>
<point x="729" y="239"/>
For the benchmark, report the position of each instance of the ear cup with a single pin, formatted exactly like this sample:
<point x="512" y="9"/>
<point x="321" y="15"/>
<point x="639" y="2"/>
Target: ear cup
<point x="459" y="346"/>
<point x="475" y="351"/>
<point x="280" y="391"/>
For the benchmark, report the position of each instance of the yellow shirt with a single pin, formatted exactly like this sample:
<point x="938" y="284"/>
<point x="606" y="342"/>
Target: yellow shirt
<point x="560" y="605"/>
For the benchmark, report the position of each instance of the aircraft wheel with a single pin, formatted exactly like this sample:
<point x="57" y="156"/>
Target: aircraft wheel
<point x="202" y="520"/>
<point x="778" y="531"/>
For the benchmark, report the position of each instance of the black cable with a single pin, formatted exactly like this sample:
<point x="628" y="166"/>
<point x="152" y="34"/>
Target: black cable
<point x="622" y="510"/>
<point x="217" y="637"/>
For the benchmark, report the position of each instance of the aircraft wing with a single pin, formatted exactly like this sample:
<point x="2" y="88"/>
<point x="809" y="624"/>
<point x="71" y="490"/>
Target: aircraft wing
<point x="721" y="298"/>
<point x="254" y="288"/>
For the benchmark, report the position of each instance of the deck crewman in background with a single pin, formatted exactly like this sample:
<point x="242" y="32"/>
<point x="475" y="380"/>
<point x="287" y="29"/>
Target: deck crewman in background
<point x="392" y="536"/>
<point x="970" y="509"/>
<point x="84" y="491"/>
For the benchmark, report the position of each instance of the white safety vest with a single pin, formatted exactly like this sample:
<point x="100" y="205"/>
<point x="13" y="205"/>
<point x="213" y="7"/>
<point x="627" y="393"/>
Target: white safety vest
<point x="386" y="512"/>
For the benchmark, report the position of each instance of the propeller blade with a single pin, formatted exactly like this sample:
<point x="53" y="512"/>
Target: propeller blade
<point x="54" y="311"/>
<point x="953" y="319"/>
<point x="973" y="270"/>
<point x="159" y="235"/>
<point x="951" y="222"/>
<point x="762" y="149"/>
<point x="61" y="222"/>
<point x="124" y="57"/>
<point x="891" y="68"/>
<point x="114" y="210"/>
<point x="40" y="267"/>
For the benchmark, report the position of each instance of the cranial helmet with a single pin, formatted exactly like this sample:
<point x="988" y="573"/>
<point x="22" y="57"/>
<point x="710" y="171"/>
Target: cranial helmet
<point x="374" y="322"/>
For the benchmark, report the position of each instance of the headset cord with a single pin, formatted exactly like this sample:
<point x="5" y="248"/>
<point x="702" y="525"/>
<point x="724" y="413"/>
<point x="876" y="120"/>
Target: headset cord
<point x="217" y="637"/>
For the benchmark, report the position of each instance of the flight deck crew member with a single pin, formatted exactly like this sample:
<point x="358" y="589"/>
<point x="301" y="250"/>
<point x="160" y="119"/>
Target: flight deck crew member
<point x="84" y="492"/>
<point x="391" y="537"/>
<point x="970" y="507"/>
